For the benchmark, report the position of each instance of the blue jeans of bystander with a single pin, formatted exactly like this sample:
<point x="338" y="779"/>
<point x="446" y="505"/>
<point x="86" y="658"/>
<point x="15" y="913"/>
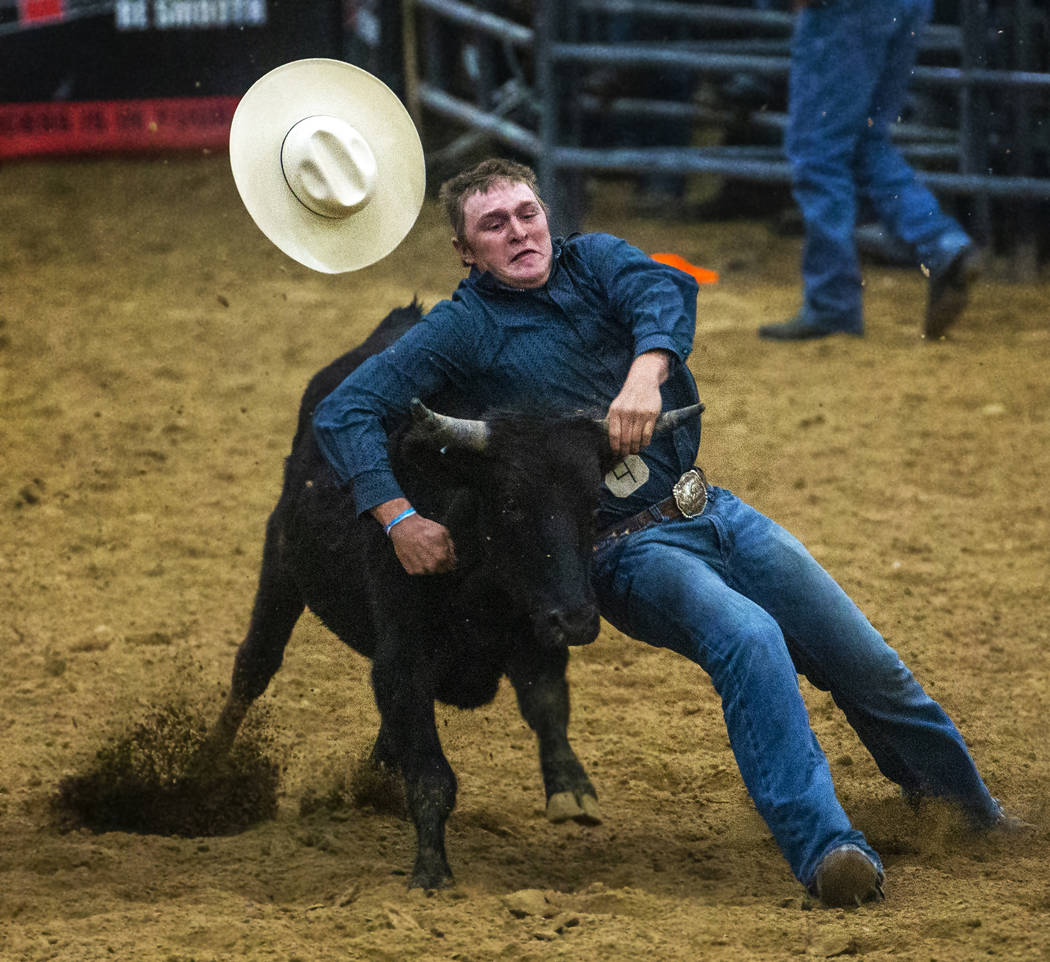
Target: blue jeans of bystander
<point x="741" y="597"/>
<point x="851" y="61"/>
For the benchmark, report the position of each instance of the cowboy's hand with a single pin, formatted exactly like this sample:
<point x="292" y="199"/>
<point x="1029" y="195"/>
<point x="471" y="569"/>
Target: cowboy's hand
<point x="632" y="417"/>
<point x="423" y="547"/>
<point x="633" y="412"/>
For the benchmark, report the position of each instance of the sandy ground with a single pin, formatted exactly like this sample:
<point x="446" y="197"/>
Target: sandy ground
<point x="153" y="349"/>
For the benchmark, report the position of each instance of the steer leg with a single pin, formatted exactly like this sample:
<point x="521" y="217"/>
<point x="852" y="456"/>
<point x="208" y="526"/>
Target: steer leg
<point x="384" y="755"/>
<point x="409" y="734"/>
<point x="278" y="606"/>
<point x="543" y="697"/>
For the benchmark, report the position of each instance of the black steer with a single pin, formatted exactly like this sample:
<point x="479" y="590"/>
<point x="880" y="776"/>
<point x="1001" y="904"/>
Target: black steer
<point x="518" y="496"/>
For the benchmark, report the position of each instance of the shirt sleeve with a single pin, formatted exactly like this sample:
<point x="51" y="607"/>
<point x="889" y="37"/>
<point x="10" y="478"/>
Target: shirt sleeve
<point x="656" y="301"/>
<point x="352" y="423"/>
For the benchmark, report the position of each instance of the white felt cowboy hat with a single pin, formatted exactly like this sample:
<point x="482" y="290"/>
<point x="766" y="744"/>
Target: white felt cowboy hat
<point x="328" y="163"/>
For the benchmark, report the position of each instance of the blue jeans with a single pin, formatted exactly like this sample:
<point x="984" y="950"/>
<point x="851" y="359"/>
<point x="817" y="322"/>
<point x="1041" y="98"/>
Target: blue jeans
<point x="740" y="596"/>
<point x="851" y="61"/>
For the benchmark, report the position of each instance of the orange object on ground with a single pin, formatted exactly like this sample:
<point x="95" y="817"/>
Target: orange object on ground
<point x="701" y="274"/>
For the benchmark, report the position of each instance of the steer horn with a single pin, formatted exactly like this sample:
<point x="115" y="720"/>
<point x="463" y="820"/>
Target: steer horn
<point x="452" y="432"/>
<point x="669" y="420"/>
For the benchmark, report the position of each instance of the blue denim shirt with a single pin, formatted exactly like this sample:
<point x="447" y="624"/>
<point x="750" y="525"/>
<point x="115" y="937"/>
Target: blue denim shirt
<point x="561" y="349"/>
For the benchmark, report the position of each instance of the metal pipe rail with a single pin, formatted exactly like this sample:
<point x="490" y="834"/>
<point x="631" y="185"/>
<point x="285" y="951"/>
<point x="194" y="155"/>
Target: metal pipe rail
<point x="702" y="14"/>
<point x="721" y="61"/>
<point x="641" y="107"/>
<point x="554" y="49"/>
<point x="464" y="15"/>
<point x="938" y="36"/>
<point x="735" y="162"/>
<point x="510" y="133"/>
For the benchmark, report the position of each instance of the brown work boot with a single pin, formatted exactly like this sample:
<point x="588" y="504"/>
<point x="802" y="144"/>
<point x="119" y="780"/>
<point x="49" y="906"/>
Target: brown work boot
<point x="846" y="876"/>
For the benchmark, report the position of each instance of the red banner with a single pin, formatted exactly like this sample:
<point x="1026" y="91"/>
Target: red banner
<point x="36" y="11"/>
<point x="70" y="127"/>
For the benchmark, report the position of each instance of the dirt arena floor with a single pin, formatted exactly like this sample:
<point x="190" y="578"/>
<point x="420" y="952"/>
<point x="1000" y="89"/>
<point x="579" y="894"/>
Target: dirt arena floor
<point x="153" y="349"/>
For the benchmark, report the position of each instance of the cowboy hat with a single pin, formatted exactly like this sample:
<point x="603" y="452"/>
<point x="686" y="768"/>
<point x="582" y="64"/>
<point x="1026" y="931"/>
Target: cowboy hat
<point x="328" y="163"/>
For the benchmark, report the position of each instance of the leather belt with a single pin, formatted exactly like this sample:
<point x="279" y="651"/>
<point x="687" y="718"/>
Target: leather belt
<point x="688" y="500"/>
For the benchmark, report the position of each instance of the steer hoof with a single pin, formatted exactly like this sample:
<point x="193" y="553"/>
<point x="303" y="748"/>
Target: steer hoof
<point x="565" y="806"/>
<point x="430" y="882"/>
<point x="431" y="871"/>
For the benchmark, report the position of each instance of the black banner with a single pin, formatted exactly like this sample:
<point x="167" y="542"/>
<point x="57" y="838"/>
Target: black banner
<point x="65" y="50"/>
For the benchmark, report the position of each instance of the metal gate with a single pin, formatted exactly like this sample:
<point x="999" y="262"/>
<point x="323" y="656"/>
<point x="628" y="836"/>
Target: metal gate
<point x="544" y="79"/>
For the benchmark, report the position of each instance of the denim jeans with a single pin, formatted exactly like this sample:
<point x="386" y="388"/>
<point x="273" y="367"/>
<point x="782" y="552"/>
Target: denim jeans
<point x="740" y="596"/>
<point x="851" y="61"/>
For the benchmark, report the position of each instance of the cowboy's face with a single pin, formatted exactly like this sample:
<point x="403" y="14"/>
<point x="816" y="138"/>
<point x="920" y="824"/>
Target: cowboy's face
<point x="505" y="232"/>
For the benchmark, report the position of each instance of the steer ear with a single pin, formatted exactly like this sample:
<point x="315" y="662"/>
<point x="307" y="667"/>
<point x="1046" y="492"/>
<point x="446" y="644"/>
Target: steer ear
<point x="451" y="432"/>
<point x="667" y="421"/>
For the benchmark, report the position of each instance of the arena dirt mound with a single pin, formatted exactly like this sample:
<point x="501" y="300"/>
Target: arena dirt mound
<point x="146" y="781"/>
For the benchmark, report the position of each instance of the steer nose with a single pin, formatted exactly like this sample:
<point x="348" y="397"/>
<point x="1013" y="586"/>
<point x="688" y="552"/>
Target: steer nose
<point x="576" y="627"/>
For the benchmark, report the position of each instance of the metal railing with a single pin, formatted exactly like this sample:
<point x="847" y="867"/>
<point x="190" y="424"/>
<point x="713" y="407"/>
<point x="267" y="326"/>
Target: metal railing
<point x="526" y="83"/>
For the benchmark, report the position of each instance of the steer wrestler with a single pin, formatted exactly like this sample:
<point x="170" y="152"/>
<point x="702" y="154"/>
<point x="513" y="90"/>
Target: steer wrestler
<point x="589" y="323"/>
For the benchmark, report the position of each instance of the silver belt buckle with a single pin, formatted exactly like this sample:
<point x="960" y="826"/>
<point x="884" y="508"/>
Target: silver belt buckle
<point x="690" y="493"/>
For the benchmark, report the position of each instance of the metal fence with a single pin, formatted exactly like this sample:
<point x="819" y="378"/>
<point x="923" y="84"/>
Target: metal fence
<point x="585" y="88"/>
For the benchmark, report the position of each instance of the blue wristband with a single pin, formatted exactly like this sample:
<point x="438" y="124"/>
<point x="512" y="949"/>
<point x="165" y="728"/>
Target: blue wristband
<point x="407" y="513"/>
